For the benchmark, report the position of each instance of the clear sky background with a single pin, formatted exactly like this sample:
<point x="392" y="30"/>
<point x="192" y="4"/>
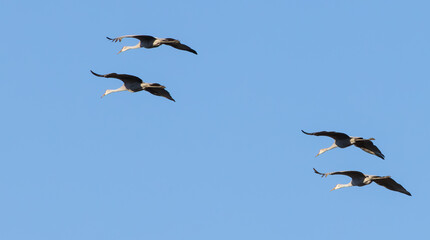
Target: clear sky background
<point x="227" y="160"/>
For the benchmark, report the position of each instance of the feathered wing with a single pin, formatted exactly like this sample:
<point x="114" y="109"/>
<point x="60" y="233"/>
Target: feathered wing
<point x="140" y="37"/>
<point x="127" y="79"/>
<point x="159" y="90"/>
<point x="351" y="174"/>
<point x="369" y="147"/>
<point x="334" y="135"/>
<point x="389" y="183"/>
<point x="181" y="46"/>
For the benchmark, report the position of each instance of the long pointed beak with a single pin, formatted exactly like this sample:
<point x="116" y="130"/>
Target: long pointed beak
<point x="317" y="155"/>
<point x="103" y="95"/>
<point x="119" y="52"/>
<point x="333" y="189"/>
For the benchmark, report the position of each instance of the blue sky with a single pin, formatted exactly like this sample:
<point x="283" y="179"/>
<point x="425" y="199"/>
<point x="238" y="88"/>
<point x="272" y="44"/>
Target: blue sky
<point x="227" y="160"/>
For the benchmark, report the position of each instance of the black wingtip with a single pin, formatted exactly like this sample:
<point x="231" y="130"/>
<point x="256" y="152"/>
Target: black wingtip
<point x="190" y="50"/>
<point x="109" y="38"/>
<point x="405" y="192"/>
<point x="98" y="75"/>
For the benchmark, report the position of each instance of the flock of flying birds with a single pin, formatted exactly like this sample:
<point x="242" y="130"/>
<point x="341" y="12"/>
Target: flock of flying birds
<point x="135" y="84"/>
<point x="359" y="179"/>
<point x="341" y="140"/>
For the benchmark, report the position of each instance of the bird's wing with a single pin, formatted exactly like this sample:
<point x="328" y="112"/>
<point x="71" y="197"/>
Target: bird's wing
<point x="159" y="90"/>
<point x="140" y="37"/>
<point x="389" y="183"/>
<point x="181" y="46"/>
<point x="127" y="79"/>
<point x="351" y="174"/>
<point x="369" y="147"/>
<point x="334" y="135"/>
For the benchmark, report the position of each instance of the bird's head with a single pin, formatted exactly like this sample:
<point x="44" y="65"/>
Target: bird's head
<point x="125" y="48"/>
<point x="371" y="139"/>
<point x="320" y="152"/>
<point x="336" y="187"/>
<point x="106" y="93"/>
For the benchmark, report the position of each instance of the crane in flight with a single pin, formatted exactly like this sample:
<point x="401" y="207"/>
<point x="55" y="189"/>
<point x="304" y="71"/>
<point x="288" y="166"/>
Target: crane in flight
<point x="360" y="179"/>
<point x="342" y="140"/>
<point x="135" y="84"/>
<point x="147" y="41"/>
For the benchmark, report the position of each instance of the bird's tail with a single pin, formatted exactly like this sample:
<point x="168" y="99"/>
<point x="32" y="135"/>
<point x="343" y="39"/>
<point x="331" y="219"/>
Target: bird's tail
<point x="379" y="177"/>
<point x="157" y="85"/>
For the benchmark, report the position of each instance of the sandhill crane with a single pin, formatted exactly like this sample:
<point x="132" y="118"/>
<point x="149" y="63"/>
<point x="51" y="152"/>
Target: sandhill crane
<point x="342" y="140"/>
<point x="359" y="179"/>
<point x="135" y="84"/>
<point x="152" y="42"/>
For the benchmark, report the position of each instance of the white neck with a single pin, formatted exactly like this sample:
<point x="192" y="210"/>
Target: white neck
<point x="130" y="47"/>
<point x="109" y="91"/>
<point x="342" y="186"/>
<point x="326" y="149"/>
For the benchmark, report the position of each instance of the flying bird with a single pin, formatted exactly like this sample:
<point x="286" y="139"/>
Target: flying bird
<point x="359" y="179"/>
<point x="342" y="140"/>
<point x="135" y="84"/>
<point x="147" y="41"/>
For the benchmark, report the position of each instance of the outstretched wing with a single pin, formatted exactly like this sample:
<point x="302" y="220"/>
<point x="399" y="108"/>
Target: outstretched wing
<point x="351" y="174"/>
<point x="127" y="79"/>
<point x="389" y="183"/>
<point x="181" y="46"/>
<point x="140" y="37"/>
<point x="159" y="90"/>
<point x="334" y="135"/>
<point x="369" y="147"/>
